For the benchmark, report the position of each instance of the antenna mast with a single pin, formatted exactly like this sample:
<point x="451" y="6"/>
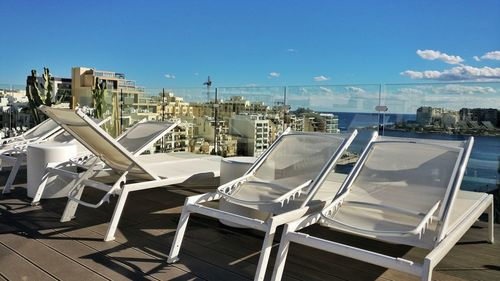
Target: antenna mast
<point x="208" y="84"/>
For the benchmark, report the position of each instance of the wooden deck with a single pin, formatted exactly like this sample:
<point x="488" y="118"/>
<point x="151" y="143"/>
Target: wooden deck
<point x="34" y="245"/>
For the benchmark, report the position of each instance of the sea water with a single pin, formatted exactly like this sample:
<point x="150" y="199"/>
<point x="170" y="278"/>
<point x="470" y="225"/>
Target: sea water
<point x="482" y="172"/>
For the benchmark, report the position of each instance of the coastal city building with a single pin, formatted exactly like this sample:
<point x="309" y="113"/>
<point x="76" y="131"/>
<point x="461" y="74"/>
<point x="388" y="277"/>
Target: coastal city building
<point x="118" y="89"/>
<point x="253" y="133"/>
<point x="466" y="119"/>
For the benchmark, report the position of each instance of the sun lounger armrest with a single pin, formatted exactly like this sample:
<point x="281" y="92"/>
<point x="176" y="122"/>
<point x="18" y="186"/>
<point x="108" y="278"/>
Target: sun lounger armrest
<point x="12" y="140"/>
<point x="82" y="161"/>
<point x="418" y="230"/>
<point x="105" y="198"/>
<point x="282" y="199"/>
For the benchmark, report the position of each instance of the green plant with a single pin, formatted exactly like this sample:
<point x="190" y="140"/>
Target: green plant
<point x="98" y="92"/>
<point x="34" y="94"/>
<point x="47" y="86"/>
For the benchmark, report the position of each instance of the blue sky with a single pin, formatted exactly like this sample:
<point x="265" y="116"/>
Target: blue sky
<point x="239" y="43"/>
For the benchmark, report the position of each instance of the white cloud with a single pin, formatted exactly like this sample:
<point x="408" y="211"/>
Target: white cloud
<point x="321" y="78"/>
<point x="476" y="58"/>
<point x="458" y="73"/>
<point x="251" y="85"/>
<point x="437" y="55"/>
<point x="464" y="89"/>
<point x="409" y="91"/>
<point x="354" y="89"/>
<point x="196" y="74"/>
<point x="274" y="74"/>
<point x="495" y="55"/>
<point x="292" y="50"/>
<point x="169" y="76"/>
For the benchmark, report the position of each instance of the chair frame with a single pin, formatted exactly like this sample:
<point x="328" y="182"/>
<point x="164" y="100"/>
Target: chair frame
<point x="193" y="204"/>
<point x="15" y="152"/>
<point x="62" y="169"/>
<point x="122" y="186"/>
<point x="445" y="240"/>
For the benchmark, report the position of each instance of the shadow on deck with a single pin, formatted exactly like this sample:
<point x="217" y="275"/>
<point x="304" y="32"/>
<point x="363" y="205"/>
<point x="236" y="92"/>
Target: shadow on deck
<point x="34" y="245"/>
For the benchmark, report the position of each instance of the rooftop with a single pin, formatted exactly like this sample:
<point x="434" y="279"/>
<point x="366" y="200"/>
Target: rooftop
<point x="34" y="245"/>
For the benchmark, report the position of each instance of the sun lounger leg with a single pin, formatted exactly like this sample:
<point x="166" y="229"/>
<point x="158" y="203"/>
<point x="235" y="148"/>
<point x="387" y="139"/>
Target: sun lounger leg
<point x="110" y="234"/>
<point x="491" y="212"/>
<point x="12" y="176"/>
<point x="279" y="266"/>
<point x="179" y="235"/>
<point x="39" y="190"/>
<point x="70" y="210"/>
<point x="265" y="253"/>
<point x="427" y="270"/>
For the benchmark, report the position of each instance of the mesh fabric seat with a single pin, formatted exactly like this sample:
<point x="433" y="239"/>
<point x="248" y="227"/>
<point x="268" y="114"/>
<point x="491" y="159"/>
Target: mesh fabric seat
<point x="281" y="182"/>
<point x="38" y="133"/>
<point x="403" y="191"/>
<point x="12" y="150"/>
<point x="129" y="171"/>
<point x="286" y="174"/>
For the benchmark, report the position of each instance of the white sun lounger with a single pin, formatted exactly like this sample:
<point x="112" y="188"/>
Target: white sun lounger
<point x="17" y="155"/>
<point x="136" y="140"/>
<point x="10" y="148"/>
<point x="403" y="191"/>
<point x="38" y="133"/>
<point x="132" y="172"/>
<point x="281" y="183"/>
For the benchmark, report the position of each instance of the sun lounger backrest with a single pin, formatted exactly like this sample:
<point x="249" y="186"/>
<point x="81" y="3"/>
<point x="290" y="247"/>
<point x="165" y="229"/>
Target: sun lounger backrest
<point x="139" y="137"/>
<point x="298" y="157"/>
<point x="410" y="173"/>
<point x="298" y="154"/>
<point x="42" y="130"/>
<point x="67" y="137"/>
<point x="97" y="141"/>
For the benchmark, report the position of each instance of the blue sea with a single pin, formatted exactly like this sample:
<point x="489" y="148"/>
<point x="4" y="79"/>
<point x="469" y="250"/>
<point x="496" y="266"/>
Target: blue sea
<point x="483" y="168"/>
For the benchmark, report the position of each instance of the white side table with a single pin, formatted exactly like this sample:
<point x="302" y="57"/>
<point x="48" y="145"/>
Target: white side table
<point x="41" y="156"/>
<point x="230" y="169"/>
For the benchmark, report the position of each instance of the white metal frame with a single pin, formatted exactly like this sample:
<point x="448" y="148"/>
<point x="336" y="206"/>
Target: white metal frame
<point x="291" y="234"/>
<point x="91" y="162"/>
<point x="14" y="151"/>
<point x="193" y="204"/>
<point x="445" y="240"/>
<point x="21" y="140"/>
<point x="18" y="157"/>
<point x="122" y="186"/>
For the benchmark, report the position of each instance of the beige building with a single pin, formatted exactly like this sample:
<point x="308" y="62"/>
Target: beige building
<point x="173" y="106"/>
<point x="253" y="132"/>
<point x="179" y="140"/>
<point x="83" y="80"/>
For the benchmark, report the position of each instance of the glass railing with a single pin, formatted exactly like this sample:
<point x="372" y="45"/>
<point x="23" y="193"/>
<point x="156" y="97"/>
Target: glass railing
<point x="219" y="119"/>
<point x="451" y="111"/>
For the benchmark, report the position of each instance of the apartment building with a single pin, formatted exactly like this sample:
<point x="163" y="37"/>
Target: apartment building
<point x="253" y="132"/>
<point x="173" y="106"/>
<point x="83" y="79"/>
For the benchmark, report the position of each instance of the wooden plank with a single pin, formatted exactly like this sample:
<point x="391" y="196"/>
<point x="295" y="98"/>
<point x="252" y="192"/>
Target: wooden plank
<point x="214" y="267"/>
<point x="118" y="263"/>
<point x="15" y="267"/>
<point x="48" y="259"/>
<point x="210" y="251"/>
<point x="125" y="258"/>
<point x="89" y="257"/>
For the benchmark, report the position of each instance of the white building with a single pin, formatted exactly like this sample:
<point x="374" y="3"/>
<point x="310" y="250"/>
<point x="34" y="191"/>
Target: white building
<point x="253" y="132"/>
<point x="331" y="123"/>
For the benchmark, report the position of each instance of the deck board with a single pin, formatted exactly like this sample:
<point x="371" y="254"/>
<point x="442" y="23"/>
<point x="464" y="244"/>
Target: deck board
<point x="16" y="267"/>
<point x="34" y="241"/>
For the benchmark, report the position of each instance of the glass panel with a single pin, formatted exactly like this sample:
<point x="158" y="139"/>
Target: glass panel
<point x="451" y="111"/>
